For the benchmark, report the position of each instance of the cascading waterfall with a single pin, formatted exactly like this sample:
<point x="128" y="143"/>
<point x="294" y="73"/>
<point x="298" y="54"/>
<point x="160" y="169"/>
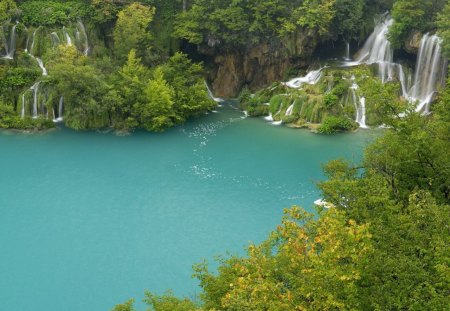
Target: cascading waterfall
<point x="377" y="50"/>
<point x="430" y="69"/>
<point x="311" y="78"/>
<point x="360" y="106"/>
<point x="430" y="72"/>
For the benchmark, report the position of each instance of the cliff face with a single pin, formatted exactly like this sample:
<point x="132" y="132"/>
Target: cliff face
<point x="259" y="65"/>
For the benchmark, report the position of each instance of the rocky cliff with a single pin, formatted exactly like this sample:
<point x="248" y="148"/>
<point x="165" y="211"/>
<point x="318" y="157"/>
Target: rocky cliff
<point x="259" y="65"/>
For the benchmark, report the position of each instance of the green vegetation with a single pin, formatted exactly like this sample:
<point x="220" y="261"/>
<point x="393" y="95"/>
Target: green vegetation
<point x="382" y="243"/>
<point x="417" y="15"/>
<point x="107" y="73"/>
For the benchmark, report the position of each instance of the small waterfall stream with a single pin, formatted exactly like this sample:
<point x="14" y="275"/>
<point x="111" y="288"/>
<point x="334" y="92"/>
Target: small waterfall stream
<point x="312" y="77"/>
<point x="211" y="95"/>
<point x="35" y="89"/>
<point x="290" y="109"/>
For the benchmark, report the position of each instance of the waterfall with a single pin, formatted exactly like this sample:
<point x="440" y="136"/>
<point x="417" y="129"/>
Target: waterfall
<point x="360" y="106"/>
<point x="32" y="41"/>
<point x="41" y="65"/>
<point x="430" y="72"/>
<point x="11" y="47"/>
<point x="35" y="89"/>
<point x="66" y="35"/>
<point x="22" y="113"/>
<point x="290" y="110"/>
<point x="55" y="39"/>
<point x="81" y="32"/>
<point x="211" y="95"/>
<point x="403" y="82"/>
<point x="60" y="109"/>
<point x="311" y="78"/>
<point x="377" y="50"/>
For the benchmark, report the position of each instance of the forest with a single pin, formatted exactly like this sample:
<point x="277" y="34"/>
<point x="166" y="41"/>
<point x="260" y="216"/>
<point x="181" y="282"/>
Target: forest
<point x="381" y="240"/>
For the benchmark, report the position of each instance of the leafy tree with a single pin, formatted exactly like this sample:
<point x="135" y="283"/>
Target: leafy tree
<point x="157" y="114"/>
<point x="443" y="23"/>
<point x="131" y="29"/>
<point x="305" y="264"/>
<point x="6" y="7"/>
<point x="191" y="97"/>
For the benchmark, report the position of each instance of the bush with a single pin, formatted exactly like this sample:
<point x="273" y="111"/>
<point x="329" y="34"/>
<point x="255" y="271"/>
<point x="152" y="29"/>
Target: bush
<point x="330" y="100"/>
<point x="333" y="124"/>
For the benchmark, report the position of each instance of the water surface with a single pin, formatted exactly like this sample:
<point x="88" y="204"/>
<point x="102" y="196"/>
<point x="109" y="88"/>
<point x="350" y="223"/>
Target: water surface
<point x="88" y="220"/>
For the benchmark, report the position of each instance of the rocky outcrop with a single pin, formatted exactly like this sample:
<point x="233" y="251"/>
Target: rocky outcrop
<point x="412" y="44"/>
<point x="260" y="65"/>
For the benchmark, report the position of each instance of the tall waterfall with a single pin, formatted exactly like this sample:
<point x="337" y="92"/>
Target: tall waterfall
<point x="82" y="38"/>
<point x="10" y="47"/>
<point x="430" y="72"/>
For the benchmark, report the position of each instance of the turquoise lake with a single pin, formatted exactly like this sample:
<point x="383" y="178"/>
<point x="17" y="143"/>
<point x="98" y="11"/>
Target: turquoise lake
<point x="89" y="220"/>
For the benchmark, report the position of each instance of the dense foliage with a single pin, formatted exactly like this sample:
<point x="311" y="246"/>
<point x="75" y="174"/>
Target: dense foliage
<point x="419" y="15"/>
<point x="381" y="243"/>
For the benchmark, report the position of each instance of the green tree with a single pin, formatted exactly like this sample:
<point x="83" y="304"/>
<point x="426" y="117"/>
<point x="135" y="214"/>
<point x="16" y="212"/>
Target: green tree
<point x="157" y="114"/>
<point x="131" y="29"/>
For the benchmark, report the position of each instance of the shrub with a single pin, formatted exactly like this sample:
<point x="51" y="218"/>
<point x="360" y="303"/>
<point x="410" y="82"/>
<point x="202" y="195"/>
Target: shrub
<point x="333" y="124"/>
